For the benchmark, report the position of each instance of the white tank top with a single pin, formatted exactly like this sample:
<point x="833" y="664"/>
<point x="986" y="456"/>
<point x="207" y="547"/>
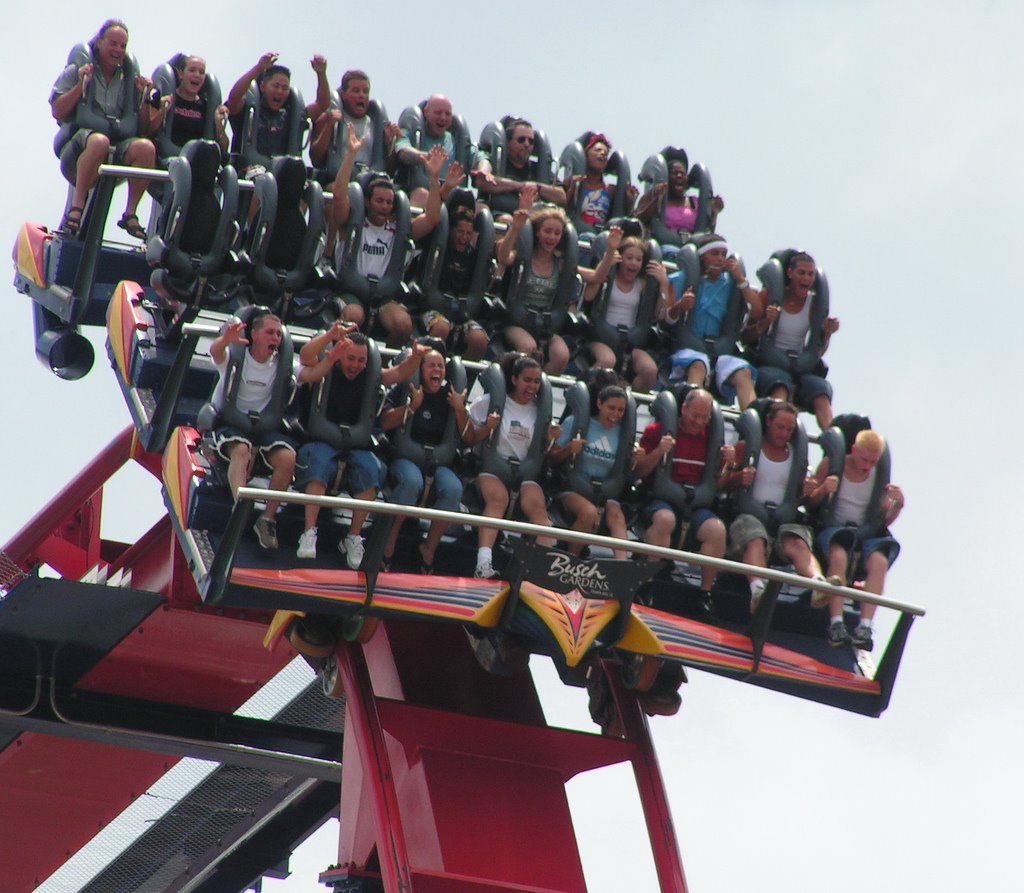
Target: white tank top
<point x="852" y="499"/>
<point x="771" y="479"/>
<point x="791" y="328"/>
<point x="623" y="305"/>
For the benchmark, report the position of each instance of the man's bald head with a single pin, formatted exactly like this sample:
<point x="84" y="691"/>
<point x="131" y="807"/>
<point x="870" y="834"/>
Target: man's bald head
<point x="437" y="114"/>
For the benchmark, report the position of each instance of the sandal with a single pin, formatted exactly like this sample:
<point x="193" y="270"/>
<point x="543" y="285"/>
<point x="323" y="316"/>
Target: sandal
<point x="72" y="221"/>
<point x="426" y="569"/>
<point x="130" y="224"/>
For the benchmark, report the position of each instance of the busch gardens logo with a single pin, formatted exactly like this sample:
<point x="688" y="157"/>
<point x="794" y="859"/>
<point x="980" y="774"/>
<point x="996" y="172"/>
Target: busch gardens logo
<point x="575" y="574"/>
<point x="594" y="578"/>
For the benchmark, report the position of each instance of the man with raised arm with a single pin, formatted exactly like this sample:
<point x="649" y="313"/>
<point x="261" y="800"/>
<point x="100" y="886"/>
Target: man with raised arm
<point x="342" y="353"/>
<point x="353" y="103"/>
<point x="857" y="525"/>
<point x="274" y="82"/>
<point x="256" y="389"/>
<point x="437" y="122"/>
<point x="378" y="235"/>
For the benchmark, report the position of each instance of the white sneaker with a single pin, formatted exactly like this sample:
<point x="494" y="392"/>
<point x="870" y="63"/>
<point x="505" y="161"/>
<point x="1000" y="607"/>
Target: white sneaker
<point x="757" y="588"/>
<point x="352" y="548"/>
<point x="485" y="570"/>
<point x="307" y="544"/>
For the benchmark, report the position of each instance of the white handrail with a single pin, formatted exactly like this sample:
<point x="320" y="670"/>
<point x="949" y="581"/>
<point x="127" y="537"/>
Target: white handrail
<point x="386" y="508"/>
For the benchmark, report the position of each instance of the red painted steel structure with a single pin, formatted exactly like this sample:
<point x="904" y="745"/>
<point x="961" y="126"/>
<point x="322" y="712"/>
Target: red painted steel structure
<point x="452" y="779"/>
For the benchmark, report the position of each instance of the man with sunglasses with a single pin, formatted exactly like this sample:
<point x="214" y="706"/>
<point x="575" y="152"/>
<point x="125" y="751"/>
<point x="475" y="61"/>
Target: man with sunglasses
<point x="501" y="190"/>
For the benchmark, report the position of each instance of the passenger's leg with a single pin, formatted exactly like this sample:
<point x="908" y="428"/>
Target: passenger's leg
<point x="534" y="505"/>
<point x="520" y="340"/>
<point x="697" y="373"/>
<point x="822" y="407"/>
<point x="353" y="312"/>
<point x="743" y="383"/>
<point x="397" y="323"/>
<point x="616" y="521"/>
<point x="604" y="356"/>
<point x="584" y="514"/>
<point x="239" y="456"/>
<point x="711" y="536"/>
<point x="645" y="371"/>
<point x="141" y="153"/>
<point x="663" y="522"/>
<point x="407" y="485"/>
<point x="476" y="342"/>
<point x="496" y="499"/>
<point x="558" y="356"/>
<point x="448" y="496"/>
<point x="876" y="566"/>
<point x="281" y="460"/>
<point x="796" y="551"/>
<point x="97" y="146"/>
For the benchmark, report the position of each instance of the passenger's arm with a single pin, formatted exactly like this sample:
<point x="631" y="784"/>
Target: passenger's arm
<point x="645" y="208"/>
<point x="323" y="90"/>
<point x="505" y="250"/>
<point x="395" y="416"/>
<point x="433" y="162"/>
<point x="645" y="464"/>
<point x="63" y="105"/>
<point x="323" y="130"/>
<point x="234" y="333"/>
<point x="340" y="187"/>
<point x="309" y="355"/>
<point x="892" y="503"/>
<point x="821" y="484"/>
<point x="406" y="369"/>
<point x="600" y="273"/>
<point x="236" y="98"/>
<point x="828" y="329"/>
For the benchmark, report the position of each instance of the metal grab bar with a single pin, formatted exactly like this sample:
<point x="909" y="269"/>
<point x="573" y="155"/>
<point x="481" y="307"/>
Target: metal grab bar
<point x="386" y="508"/>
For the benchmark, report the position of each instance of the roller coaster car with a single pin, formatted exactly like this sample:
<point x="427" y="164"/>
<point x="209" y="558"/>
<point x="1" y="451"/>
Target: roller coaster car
<point x="607" y="611"/>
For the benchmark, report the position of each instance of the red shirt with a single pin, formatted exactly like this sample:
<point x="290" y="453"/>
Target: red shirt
<point x="690" y="455"/>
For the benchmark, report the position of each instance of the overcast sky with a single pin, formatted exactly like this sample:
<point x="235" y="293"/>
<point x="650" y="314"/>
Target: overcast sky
<point x="885" y="138"/>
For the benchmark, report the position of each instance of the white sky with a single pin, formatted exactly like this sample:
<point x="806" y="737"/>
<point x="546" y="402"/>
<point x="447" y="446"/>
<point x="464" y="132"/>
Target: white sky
<point x="884" y="138"/>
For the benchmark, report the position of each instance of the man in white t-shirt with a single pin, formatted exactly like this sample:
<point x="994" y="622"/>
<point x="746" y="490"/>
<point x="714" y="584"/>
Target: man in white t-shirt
<point x="378" y="236"/>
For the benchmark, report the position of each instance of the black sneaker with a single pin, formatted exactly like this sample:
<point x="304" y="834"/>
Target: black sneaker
<point x="838" y="634"/>
<point x="862" y="638"/>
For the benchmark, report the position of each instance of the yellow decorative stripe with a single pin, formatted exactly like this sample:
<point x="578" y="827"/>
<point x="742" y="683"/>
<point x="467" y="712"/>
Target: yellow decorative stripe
<point x="28" y="253"/>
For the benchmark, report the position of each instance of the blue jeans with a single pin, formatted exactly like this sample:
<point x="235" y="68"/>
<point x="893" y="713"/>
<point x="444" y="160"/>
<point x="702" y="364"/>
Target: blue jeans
<point x="407" y="485"/>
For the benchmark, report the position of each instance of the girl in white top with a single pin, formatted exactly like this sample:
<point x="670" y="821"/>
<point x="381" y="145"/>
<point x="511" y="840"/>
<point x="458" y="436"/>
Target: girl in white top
<point x="515" y="427"/>
<point x="626" y="255"/>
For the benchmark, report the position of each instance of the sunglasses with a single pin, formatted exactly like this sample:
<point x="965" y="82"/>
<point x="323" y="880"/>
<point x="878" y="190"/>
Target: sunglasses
<point x="524" y="140"/>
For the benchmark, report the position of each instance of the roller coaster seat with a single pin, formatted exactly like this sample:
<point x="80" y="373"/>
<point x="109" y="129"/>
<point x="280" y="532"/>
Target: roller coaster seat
<point x="684" y="336"/>
<point x="579" y="403"/>
<point x="457" y="308"/>
<point x="750" y="429"/>
<point x="376" y="117"/>
<point x="773" y="276"/>
<point x="228" y="414"/>
<point x="286" y="239"/>
<point x="246" y="125"/>
<point x="197" y="226"/>
<point x="835" y="444"/>
<point x="685" y="498"/>
<point x="493" y="144"/>
<point x="573" y="162"/>
<point x="508" y="470"/>
<point x="656" y="170"/>
<point x="165" y="81"/>
<point x="320" y="424"/>
<point x="87" y="117"/>
<point x="644" y="328"/>
<point x="543" y="322"/>
<point x="424" y="455"/>
<point x="414" y="128"/>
